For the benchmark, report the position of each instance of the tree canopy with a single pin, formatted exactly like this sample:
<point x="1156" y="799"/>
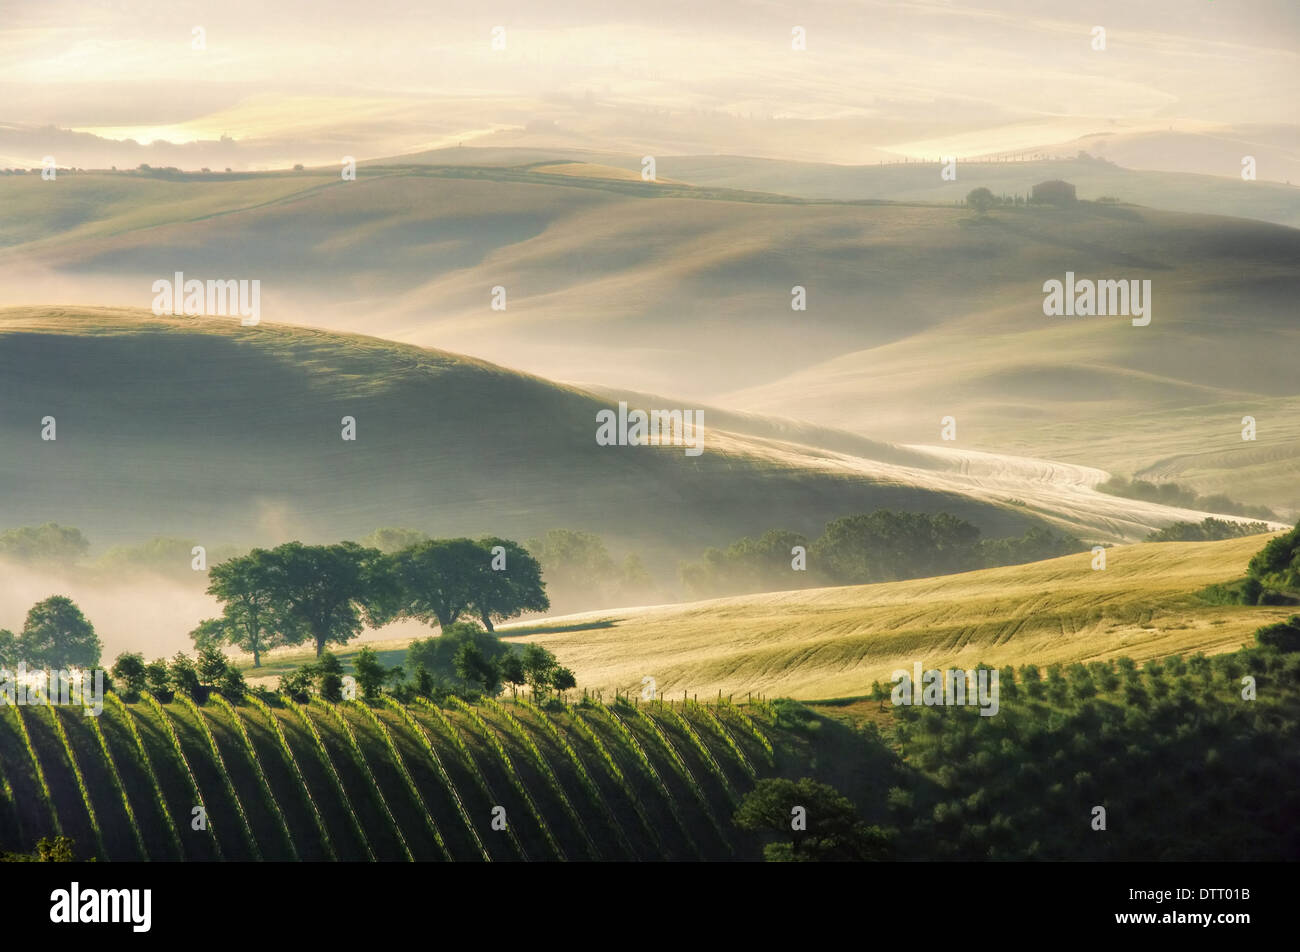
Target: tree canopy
<point x="981" y="199"/>
<point x="56" y="635"/>
<point x="1277" y="565"/>
<point x="48" y="544"/>
<point x="816" y="823"/>
<point x="508" y="583"/>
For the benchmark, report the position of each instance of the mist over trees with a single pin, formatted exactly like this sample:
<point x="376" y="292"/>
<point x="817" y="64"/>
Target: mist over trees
<point x="580" y="572"/>
<point x="161" y="555"/>
<point x="1207" y="530"/>
<point x="880" y="546"/>
<point x="747" y="565"/>
<point x="326" y="594"/>
<point x="47" y="544"/>
<point x="1172" y="494"/>
<point x="51" y="545"/>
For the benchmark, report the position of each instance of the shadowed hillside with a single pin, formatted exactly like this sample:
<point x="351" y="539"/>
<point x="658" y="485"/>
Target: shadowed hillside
<point x="201" y="428"/>
<point x="914" y="311"/>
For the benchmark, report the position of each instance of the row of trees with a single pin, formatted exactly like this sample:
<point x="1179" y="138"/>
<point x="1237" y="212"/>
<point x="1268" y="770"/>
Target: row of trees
<point x="324" y="594"/>
<point x="1216" y="766"/>
<point x="1174" y="494"/>
<point x="164" y="679"/>
<point x="879" y="546"/>
<point x="464" y="660"/>
<point x="579" y="570"/>
<point x="1207" y="530"/>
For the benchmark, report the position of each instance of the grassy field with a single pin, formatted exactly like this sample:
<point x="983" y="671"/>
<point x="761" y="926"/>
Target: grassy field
<point x="917" y="181"/>
<point x="916" y="310"/>
<point x="203" y="429"/>
<point x="100" y="205"/>
<point x="834" y="642"/>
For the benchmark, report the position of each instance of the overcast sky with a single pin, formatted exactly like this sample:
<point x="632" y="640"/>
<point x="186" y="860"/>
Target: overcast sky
<point x="1010" y="72"/>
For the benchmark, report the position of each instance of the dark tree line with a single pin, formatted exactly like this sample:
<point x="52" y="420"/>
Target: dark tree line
<point x="1173" y="494"/>
<point x="325" y="594"/>
<point x="879" y="546"/>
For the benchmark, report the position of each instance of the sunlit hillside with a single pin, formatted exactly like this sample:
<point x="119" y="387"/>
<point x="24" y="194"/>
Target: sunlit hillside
<point x="835" y="642"/>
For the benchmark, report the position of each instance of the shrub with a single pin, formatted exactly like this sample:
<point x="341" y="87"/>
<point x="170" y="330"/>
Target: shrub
<point x="1282" y="635"/>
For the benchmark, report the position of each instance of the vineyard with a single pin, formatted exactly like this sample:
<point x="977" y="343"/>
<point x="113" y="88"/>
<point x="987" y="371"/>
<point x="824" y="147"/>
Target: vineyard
<point x="265" y="778"/>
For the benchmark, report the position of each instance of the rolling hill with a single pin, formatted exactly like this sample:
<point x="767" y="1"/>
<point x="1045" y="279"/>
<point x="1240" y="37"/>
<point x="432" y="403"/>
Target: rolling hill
<point x="202" y="428"/>
<point x="1195" y="192"/>
<point x="834" y="642"/>
<point x="684" y="290"/>
<point x="915" y="311"/>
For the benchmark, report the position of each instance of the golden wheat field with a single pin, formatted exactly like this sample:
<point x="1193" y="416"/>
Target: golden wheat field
<point x="833" y="642"/>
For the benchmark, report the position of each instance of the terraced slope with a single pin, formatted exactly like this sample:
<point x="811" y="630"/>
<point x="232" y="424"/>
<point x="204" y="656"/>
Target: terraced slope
<point x="272" y="780"/>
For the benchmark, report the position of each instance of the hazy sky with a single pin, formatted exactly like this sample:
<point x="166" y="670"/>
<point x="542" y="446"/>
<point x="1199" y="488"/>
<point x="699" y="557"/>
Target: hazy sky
<point x="935" y="75"/>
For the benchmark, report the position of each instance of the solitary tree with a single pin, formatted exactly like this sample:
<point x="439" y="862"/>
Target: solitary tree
<point x="182" y="676"/>
<point x="562" y="679"/>
<point x="212" y="665"/>
<point x="329" y="676"/>
<point x="981" y="199"/>
<point x="157" y="678"/>
<point x="815" y="821"/>
<point x="539" y="668"/>
<point x="512" y="672"/>
<point x="57" y="635"/>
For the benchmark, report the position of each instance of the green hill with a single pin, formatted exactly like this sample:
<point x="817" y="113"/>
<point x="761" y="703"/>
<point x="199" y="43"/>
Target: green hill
<point x="916" y="310"/>
<point x="272" y="780"/>
<point x="203" y="429"/>
<point x="282" y="781"/>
